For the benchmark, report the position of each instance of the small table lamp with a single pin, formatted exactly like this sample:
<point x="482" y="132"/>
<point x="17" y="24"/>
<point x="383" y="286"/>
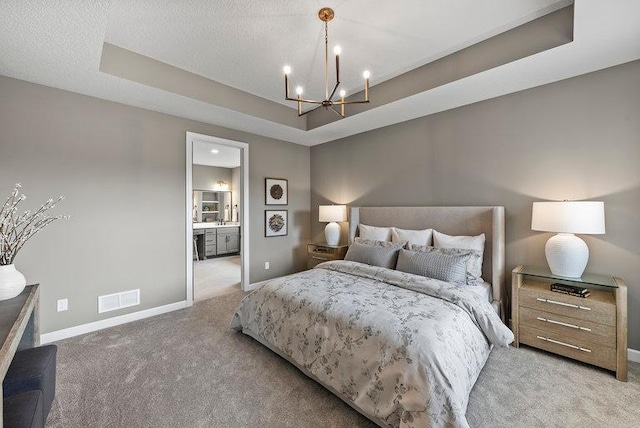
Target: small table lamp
<point x="332" y="214"/>
<point x="567" y="255"/>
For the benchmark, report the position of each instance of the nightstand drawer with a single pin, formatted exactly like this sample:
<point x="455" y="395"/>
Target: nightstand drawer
<point x="323" y="256"/>
<point x="591" y="353"/>
<point x="593" y="309"/>
<point x="318" y="253"/>
<point x="579" y="329"/>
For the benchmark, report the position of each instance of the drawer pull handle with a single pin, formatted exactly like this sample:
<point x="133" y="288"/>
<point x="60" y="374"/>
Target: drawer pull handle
<point x="553" y="302"/>
<point x="577" y="327"/>
<point x="318" y="258"/>
<point x="568" y="345"/>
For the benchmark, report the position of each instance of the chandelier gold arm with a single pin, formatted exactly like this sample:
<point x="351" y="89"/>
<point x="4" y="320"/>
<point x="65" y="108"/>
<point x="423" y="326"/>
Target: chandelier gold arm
<point x="304" y="100"/>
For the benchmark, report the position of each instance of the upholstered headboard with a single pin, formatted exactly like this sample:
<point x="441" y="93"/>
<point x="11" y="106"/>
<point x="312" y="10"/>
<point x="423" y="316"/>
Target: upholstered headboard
<point x="452" y="221"/>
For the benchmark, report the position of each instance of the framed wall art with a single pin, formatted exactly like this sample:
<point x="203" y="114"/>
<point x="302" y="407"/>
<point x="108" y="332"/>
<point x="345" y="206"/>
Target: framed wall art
<point x="276" y="191"/>
<point x="275" y="223"/>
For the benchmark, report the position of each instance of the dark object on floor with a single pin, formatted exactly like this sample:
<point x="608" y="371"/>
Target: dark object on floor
<point x="33" y="369"/>
<point x="24" y="410"/>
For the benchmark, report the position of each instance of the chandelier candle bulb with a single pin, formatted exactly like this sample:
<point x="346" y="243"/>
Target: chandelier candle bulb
<point x="366" y="76"/>
<point x="299" y="92"/>
<point x="337" y="51"/>
<point x="287" y="70"/>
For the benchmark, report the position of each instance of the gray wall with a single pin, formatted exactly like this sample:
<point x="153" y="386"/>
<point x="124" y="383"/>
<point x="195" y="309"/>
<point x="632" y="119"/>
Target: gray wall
<point x="205" y="177"/>
<point x="281" y="161"/>
<point x="122" y="170"/>
<point x="574" y="139"/>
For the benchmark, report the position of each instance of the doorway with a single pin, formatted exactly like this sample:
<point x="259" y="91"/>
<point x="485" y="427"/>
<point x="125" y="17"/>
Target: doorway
<point x="217" y="203"/>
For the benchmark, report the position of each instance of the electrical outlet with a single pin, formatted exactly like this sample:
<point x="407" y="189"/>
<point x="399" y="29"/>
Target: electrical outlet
<point x="63" y="305"/>
<point x="266" y="265"/>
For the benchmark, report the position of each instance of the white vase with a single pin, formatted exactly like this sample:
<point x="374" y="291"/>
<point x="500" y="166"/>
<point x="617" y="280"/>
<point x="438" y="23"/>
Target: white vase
<point x="12" y="282"/>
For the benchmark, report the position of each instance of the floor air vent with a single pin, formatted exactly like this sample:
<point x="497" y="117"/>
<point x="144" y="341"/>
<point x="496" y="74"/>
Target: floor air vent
<point x="111" y="302"/>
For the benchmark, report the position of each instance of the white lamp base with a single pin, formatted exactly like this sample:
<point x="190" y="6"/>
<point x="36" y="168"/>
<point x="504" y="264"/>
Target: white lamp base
<point x="332" y="233"/>
<point x="567" y="255"/>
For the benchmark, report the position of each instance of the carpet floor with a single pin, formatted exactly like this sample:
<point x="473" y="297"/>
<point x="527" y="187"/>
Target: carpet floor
<point x="187" y="369"/>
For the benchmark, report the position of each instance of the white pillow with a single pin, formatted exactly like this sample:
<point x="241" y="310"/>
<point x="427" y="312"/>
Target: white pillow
<point x="375" y="233"/>
<point x="476" y="243"/>
<point x="417" y="237"/>
<point x="443" y="240"/>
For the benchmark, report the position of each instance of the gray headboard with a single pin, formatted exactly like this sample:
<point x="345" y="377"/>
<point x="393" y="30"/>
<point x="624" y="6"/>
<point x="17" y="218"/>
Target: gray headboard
<point x="452" y="221"/>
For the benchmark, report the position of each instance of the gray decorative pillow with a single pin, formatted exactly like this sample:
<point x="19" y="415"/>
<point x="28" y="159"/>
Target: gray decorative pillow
<point x="474" y="263"/>
<point x="375" y="255"/>
<point x="445" y="267"/>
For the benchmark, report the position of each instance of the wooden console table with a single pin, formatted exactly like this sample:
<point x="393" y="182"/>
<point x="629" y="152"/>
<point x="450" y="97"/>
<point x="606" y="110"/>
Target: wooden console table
<point x="19" y="328"/>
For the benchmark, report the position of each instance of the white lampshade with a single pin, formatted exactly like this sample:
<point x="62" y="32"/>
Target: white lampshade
<point x="567" y="254"/>
<point x="328" y="213"/>
<point x="584" y="217"/>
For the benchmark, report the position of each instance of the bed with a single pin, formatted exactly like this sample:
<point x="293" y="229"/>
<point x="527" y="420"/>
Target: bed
<point x="402" y="349"/>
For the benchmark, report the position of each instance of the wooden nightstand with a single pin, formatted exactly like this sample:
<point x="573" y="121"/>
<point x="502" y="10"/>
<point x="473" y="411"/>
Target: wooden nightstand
<point x="318" y="253"/>
<point x="592" y="329"/>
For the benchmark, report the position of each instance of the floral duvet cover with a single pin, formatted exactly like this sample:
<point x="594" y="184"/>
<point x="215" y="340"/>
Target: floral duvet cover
<point x="402" y="349"/>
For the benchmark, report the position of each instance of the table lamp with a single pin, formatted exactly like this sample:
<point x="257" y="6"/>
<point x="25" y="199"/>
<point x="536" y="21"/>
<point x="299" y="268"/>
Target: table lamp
<point x="332" y="214"/>
<point x="567" y="254"/>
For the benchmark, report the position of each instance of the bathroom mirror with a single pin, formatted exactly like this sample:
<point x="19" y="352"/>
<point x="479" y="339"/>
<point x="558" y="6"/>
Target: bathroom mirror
<point x="212" y="206"/>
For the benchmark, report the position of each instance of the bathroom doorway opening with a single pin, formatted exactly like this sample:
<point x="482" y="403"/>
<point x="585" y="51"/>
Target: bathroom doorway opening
<point x="217" y="243"/>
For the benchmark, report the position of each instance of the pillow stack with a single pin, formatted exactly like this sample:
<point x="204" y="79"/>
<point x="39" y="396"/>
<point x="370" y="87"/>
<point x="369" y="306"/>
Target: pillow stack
<point x="425" y="252"/>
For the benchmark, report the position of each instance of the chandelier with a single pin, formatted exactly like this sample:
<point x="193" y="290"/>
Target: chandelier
<point x="326" y="14"/>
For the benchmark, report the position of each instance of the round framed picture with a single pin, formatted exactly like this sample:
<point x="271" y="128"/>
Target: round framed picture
<point x="276" y="192"/>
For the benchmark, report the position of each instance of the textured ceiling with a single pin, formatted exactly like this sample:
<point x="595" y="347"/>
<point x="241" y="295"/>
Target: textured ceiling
<point x="59" y="44"/>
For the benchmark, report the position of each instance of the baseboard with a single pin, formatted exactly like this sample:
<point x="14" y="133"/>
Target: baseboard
<point x="109" y="322"/>
<point x="633" y="355"/>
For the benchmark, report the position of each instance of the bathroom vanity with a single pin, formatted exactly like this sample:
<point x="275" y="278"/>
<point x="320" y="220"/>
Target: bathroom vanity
<point x="214" y="239"/>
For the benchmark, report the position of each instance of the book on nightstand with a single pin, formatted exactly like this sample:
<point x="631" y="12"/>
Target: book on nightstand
<point x="570" y="289"/>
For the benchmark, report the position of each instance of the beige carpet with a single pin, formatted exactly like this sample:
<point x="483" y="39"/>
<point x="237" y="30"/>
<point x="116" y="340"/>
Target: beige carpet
<point x="187" y="369"/>
<point x="216" y="277"/>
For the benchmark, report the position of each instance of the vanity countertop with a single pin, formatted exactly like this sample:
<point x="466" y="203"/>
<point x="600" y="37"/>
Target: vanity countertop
<point x="213" y="225"/>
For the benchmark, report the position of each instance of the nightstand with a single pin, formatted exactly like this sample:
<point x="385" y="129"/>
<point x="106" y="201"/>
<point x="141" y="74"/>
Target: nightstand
<point x="318" y="253"/>
<point x="591" y="329"/>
